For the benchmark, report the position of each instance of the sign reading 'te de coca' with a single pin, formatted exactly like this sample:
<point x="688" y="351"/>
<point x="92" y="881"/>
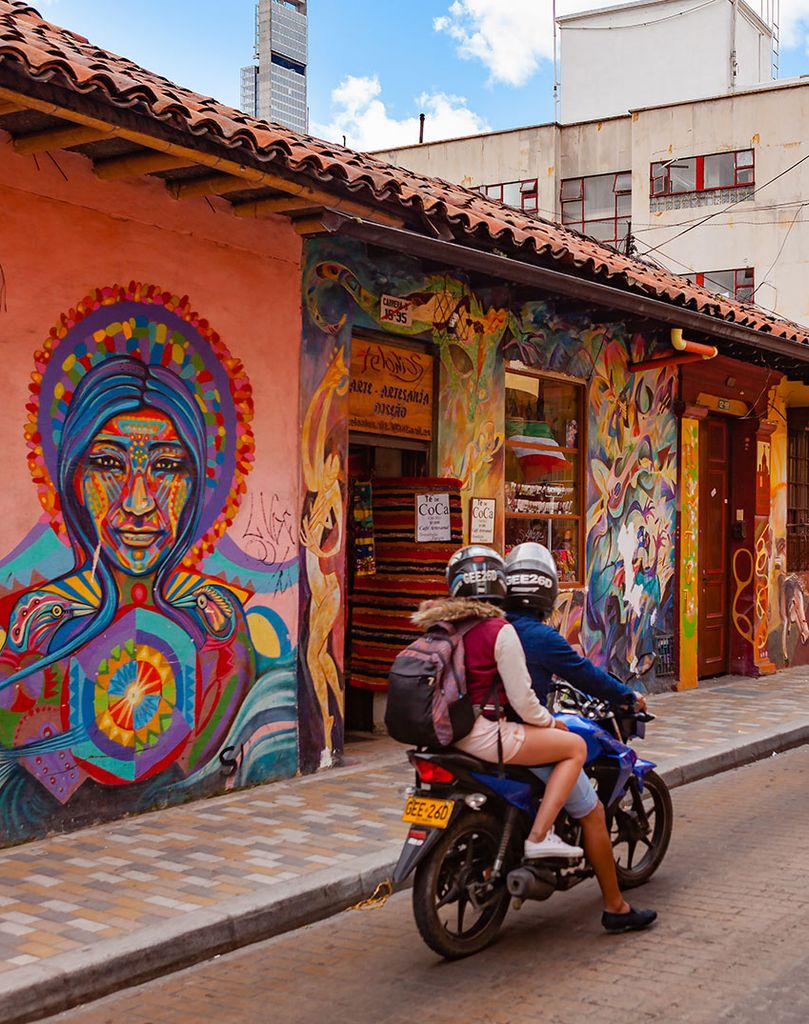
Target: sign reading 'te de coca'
<point x="432" y="518"/>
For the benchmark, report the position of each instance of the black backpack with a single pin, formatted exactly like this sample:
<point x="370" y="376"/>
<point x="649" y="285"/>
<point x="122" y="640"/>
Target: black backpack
<point x="428" y="704"/>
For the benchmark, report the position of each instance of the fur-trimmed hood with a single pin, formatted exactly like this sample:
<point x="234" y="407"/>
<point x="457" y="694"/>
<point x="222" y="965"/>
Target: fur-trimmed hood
<point x="453" y="609"/>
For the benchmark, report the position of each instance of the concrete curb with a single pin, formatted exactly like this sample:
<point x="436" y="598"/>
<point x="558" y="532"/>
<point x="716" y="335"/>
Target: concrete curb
<point x="31" y="993"/>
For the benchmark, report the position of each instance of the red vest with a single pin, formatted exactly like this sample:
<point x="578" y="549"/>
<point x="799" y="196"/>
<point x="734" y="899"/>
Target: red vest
<point x="481" y="666"/>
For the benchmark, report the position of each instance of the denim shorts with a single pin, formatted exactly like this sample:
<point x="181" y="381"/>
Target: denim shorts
<point x="582" y="798"/>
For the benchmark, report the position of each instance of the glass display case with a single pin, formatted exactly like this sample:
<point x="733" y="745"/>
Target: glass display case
<point x="544" y="442"/>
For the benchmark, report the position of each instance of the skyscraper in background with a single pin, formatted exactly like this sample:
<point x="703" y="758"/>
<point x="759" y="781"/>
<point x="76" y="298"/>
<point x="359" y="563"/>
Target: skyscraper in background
<point x="274" y="86"/>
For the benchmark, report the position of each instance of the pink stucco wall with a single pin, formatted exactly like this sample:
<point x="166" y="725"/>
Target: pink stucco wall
<point x="64" y="233"/>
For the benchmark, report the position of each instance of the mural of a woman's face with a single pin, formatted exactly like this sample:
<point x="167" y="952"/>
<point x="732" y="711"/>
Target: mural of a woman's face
<point x="135" y="481"/>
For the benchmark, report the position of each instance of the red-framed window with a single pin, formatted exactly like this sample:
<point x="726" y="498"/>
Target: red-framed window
<point x="733" y="284"/>
<point x="599" y="205"/>
<point x="524" y="195"/>
<point x="685" y="175"/>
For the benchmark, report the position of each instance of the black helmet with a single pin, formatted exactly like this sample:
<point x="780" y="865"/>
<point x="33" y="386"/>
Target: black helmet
<point x="531" y="578"/>
<point x="477" y="572"/>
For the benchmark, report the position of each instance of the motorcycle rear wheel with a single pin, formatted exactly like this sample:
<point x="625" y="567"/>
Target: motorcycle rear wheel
<point x="446" y="918"/>
<point x="629" y="839"/>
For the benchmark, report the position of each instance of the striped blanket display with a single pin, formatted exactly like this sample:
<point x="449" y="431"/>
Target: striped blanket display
<point x="406" y="574"/>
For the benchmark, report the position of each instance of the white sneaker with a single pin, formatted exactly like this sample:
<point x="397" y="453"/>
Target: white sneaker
<point x="552" y="846"/>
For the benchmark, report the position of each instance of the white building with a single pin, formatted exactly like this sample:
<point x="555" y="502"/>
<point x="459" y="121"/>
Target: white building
<point x="715" y="187"/>
<point x="658" y="51"/>
<point x="274" y="86"/>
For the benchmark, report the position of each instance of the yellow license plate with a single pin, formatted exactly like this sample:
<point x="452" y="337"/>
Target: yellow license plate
<point x="422" y="810"/>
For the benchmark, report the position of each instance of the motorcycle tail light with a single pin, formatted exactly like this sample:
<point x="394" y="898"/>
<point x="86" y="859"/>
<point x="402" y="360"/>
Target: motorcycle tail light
<point x="430" y="772"/>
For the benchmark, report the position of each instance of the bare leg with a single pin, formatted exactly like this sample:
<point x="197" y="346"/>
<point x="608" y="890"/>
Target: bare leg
<point x="546" y="746"/>
<point x="598" y="850"/>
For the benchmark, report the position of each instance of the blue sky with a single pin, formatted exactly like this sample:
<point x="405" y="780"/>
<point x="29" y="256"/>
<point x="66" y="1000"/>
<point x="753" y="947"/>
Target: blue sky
<point x="374" y="64"/>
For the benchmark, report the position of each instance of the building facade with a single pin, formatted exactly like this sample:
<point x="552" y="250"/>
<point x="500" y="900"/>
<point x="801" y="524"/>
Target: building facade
<point x="711" y="189"/>
<point x="273" y="87"/>
<point x="709" y="48"/>
<point x="252" y="406"/>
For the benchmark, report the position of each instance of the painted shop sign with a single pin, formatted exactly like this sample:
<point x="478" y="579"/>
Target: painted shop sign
<point x="432" y="518"/>
<point x="393" y="310"/>
<point x="391" y="390"/>
<point x="482" y="518"/>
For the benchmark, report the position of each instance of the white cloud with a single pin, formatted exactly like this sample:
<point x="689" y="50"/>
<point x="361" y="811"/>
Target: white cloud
<point x="511" y="37"/>
<point x="358" y="112"/>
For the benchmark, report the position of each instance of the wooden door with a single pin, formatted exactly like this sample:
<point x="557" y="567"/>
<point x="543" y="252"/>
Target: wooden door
<point x="714" y="524"/>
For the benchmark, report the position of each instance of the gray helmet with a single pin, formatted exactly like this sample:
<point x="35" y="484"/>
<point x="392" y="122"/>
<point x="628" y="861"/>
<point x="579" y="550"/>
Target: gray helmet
<point x="531" y="579"/>
<point x="478" y="572"/>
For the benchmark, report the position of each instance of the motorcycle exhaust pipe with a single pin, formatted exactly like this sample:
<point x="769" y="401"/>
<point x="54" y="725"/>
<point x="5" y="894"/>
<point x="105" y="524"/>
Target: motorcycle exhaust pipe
<point x="530" y="883"/>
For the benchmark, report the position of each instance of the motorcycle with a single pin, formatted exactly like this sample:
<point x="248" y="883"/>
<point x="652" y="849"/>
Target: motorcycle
<point x="469" y="820"/>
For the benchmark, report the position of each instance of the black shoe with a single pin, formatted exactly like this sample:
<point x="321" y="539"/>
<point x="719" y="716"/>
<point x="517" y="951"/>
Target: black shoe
<point x="632" y="921"/>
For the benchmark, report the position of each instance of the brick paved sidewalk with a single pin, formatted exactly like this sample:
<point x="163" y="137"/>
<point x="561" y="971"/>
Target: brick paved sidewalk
<point x="81" y="914"/>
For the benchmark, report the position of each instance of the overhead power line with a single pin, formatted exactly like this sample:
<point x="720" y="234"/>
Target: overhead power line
<point x="718" y="213"/>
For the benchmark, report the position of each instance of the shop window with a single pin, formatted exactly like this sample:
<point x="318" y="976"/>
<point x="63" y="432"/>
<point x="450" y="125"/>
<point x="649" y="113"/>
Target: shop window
<point x="701" y="180"/>
<point x="798" y="491"/>
<point x="733" y="284"/>
<point x="521" y="194"/>
<point x="544" y="444"/>
<point x="599" y="205"/>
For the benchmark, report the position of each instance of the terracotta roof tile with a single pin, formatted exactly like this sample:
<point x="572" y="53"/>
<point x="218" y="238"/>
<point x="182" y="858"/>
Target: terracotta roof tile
<point x="46" y="52"/>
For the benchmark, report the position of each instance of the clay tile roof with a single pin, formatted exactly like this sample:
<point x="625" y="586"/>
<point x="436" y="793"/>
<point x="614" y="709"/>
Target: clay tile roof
<point x="44" y="52"/>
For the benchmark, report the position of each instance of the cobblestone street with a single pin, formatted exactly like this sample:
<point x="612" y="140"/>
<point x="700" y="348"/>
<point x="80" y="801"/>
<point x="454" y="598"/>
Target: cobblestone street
<point x="733" y="897"/>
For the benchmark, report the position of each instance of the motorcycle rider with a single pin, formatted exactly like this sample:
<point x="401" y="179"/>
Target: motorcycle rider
<point x="494" y="657"/>
<point x="533" y="585"/>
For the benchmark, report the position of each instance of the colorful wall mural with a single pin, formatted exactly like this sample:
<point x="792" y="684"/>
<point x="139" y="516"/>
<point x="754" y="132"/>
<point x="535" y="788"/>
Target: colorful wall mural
<point x="632" y="479"/>
<point x="689" y="551"/>
<point x="632" y="454"/>
<point x="141" y="662"/>
<point x="788" y="594"/>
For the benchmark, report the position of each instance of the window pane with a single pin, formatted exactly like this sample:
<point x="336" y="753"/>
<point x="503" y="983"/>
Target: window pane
<point x="623" y="182"/>
<point x="565" y="548"/>
<point x="745" y="275"/>
<point x="529" y="202"/>
<point x="721" y="281"/>
<point x="571" y="188"/>
<point x="511" y="193"/>
<point x="720" y="170"/>
<point x="744" y="175"/>
<point x="683" y="175"/>
<point x="494" y="191"/>
<point x="528" y="186"/>
<point x="601" y="230"/>
<point x="744" y="158"/>
<point x="599" y="198"/>
<point x="659" y="179"/>
<point x="571" y="212"/>
<point x="623" y="204"/>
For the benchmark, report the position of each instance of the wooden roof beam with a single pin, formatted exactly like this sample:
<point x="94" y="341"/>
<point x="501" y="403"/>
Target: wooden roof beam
<point x="136" y="164"/>
<point x="314" y="197"/>
<point x="216" y="185"/>
<point x="222" y="164"/>
<point x="60" y="138"/>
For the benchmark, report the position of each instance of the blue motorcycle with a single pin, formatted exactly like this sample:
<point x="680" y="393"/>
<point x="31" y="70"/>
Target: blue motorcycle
<point x="469" y="819"/>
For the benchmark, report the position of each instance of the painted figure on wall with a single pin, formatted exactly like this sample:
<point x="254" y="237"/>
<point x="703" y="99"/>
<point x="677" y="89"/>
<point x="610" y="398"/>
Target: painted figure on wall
<point x="322" y="537"/>
<point x="631" y="487"/>
<point x="122" y="660"/>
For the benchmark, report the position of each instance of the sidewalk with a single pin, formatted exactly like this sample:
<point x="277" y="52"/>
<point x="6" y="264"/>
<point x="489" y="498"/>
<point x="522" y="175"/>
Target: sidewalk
<point x="90" y="912"/>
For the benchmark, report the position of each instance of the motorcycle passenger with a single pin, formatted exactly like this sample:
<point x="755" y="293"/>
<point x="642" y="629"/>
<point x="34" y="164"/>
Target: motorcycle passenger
<point x="476" y="582"/>
<point x="533" y="585"/>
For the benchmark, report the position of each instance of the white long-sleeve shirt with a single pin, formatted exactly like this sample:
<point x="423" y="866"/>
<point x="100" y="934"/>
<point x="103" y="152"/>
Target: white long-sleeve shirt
<point x="511" y="665"/>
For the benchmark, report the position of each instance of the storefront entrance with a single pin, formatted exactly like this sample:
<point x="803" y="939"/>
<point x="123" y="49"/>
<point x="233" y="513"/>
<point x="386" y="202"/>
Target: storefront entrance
<point x="714" y="546"/>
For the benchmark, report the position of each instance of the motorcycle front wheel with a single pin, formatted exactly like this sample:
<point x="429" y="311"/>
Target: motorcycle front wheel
<point x="640" y="830"/>
<point x="453" y="921"/>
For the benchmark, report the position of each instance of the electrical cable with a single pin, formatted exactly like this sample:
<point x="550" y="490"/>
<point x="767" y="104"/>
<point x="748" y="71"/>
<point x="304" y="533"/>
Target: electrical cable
<point x="638" y="24"/>
<point x="778" y="254"/>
